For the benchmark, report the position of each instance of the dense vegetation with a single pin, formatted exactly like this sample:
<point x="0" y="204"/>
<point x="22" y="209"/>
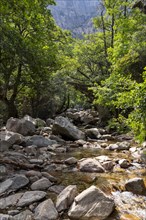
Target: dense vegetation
<point x="44" y="71"/>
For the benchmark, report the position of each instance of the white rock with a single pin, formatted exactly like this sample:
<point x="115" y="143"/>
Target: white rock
<point x="92" y="203"/>
<point x="66" y="197"/>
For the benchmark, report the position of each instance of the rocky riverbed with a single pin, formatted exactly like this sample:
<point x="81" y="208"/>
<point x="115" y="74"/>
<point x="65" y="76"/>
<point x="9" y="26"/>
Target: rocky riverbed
<point x="69" y="168"/>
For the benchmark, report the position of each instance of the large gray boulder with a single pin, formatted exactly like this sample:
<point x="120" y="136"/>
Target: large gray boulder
<point x="8" y="139"/>
<point x="21" y="126"/>
<point x="93" y="204"/>
<point x="39" y="141"/>
<point x="62" y="126"/>
<point x="46" y="211"/>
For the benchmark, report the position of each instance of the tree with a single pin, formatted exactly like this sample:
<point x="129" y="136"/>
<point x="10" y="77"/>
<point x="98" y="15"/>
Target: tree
<point x="28" y="48"/>
<point x="124" y="90"/>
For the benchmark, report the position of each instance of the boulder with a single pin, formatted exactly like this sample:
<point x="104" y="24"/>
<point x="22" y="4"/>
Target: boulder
<point x="46" y="210"/>
<point x="62" y="126"/>
<point x="93" y="133"/>
<point x="8" y="139"/>
<point x="21" y="126"/>
<point x="29" y="118"/>
<point x="66" y="197"/>
<point x="92" y="203"/>
<point x="30" y="197"/>
<point x="10" y="200"/>
<point x="13" y="184"/>
<point x="90" y="165"/>
<point x="135" y="185"/>
<point x="39" y="141"/>
<point x="41" y="184"/>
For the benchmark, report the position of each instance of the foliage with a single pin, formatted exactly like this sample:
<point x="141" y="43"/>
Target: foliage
<point x="124" y="91"/>
<point x="29" y="47"/>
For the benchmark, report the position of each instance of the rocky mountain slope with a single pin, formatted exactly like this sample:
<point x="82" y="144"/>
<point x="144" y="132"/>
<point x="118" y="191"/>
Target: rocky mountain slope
<point x="76" y="15"/>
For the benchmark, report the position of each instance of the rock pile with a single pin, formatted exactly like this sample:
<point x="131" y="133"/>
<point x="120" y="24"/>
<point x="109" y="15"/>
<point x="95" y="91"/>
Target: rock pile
<point x="30" y="160"/>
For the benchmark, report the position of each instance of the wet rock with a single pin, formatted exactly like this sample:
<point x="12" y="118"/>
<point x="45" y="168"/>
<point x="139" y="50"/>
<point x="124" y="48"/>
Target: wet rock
<point x="41" y="184"/>
<point x="30" y="197"/>
<point x="92" y="203"/>
<point x="39" y="141"/>
<point x="66" y="197"/>
<point x="93" y="133"/>
<point x="46" y="210"/>
<point x="124" y="163"/>
<point x="90" y="165"/>
<point x="10" y="200"/>
<point x="21" y="126"/>
<point x="13" y="184"/>
<point x="135" y="185"/>
<point x="25" y="215"/>
<point x="131" y="204"/>
<point x="71" y="161"/>
<point x="66" y="129"/>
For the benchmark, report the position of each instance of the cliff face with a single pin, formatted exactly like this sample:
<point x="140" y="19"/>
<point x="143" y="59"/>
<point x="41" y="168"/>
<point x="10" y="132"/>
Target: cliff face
<point x="76" y="15"/>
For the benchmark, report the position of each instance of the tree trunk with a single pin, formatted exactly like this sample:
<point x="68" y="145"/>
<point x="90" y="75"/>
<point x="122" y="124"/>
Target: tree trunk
<point x="12" y="109"/>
